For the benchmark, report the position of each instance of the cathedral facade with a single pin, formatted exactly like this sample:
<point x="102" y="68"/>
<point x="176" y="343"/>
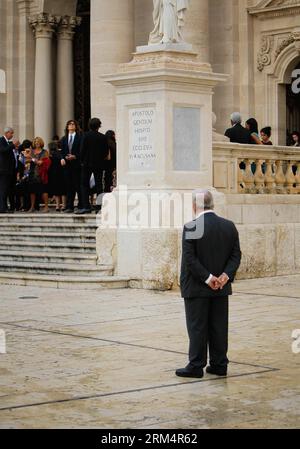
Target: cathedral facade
<point x="55" y="54"/>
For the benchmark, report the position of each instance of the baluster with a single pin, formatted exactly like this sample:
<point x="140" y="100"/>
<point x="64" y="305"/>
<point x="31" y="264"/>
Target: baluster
<point x="297" y="177"/>
<point x="240" y="176"/>
<point x="259" y="177"/>
<point x="290" y="178"/>
<point x="248" y="177"/>
<point x="280" y="177"/>
<point x="270" y="177"/>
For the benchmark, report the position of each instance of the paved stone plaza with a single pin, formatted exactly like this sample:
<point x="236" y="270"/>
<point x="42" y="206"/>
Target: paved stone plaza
<point x="106" y="359"/>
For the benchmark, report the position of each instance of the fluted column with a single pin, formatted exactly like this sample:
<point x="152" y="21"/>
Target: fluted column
<point x="112" y="43"/>
<point x="65" y="72"/>
<point x="44" y="26"/>
<point x="196" y="31"/>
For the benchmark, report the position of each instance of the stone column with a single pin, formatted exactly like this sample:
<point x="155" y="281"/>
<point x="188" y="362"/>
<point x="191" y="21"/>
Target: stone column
<point x="196" y="31"/>
<point x="112" y="43"/>
<point x="65" y="72"/>
<point x="44" y="26"/>
<point x="25" y="72"/>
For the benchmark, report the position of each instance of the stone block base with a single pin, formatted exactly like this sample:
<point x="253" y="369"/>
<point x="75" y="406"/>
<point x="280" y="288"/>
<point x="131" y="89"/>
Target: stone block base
<point x="151" y="259"/>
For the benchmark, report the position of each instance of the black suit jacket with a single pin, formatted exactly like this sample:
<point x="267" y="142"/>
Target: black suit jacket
<point x="75" y="148"/>
<point x="94" y="150"/>
<point x="7" y="159"/>
<point x="214" y="251"/>
<point x="239" y="134"/>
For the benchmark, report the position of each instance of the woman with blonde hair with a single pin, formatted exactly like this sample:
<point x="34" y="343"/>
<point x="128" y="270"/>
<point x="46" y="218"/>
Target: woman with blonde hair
<point x="38" y="175"/>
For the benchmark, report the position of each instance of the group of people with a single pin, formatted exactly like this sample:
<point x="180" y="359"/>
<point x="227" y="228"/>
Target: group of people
<point x="248" y="134"/>
<point x="78" y="165"/>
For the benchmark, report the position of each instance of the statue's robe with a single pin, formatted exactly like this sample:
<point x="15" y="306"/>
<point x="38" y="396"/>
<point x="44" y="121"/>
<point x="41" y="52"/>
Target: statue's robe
<point x="168" y="17"/>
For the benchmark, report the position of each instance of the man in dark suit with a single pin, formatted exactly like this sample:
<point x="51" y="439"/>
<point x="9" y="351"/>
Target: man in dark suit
<point x="7" y="166"/>
<point x="237" y="133"/>
<point x="210" y="259"/>
<point x="94" y="151"/>
<point x="14" y="200"/>
<point x="70" y="150"/>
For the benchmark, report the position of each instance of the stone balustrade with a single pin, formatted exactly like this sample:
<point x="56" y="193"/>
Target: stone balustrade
<point x="255" y="169"/>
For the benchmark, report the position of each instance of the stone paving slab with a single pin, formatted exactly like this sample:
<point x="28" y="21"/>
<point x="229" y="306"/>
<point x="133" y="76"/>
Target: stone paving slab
<point x="107" y="359"/>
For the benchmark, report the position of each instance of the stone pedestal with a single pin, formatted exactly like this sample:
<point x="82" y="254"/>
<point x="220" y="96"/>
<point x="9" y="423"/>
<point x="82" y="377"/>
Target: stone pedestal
<point x="164" y="134"/>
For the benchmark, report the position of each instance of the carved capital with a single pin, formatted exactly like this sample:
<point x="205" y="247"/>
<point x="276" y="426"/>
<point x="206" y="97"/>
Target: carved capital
<point x="67" y="26"/>
<point x="44" y="25"/>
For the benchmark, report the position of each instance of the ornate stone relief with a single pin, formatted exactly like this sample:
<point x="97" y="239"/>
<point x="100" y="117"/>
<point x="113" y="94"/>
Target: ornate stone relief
<point x="266" y="56"/>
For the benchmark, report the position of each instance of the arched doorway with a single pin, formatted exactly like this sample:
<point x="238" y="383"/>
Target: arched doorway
<point x="82" y="65"/>
<point x="292" y="110"/>
<point x="278" y="81"/>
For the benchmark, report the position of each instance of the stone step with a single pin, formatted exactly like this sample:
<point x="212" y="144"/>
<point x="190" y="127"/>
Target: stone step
<point x="49" y="247"/>
<point x="69" y="228"/>
<point x="49" y="257"/>
<point x="46" y="237"/>
<point x="50" y="218"/>
<point x="64" y="282"/>
<point x="56" y="269"/>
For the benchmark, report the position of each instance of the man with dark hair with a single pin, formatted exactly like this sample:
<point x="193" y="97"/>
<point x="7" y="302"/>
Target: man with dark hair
<point x="210" y="259"/>
<point x="70" y="151"/>
<point x="94" y="150"/>
<point x="7" y="165"/>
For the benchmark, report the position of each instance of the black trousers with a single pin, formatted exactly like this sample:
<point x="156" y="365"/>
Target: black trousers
<point x="5" y="183"/>
<point x="108" y="180"/>
<point x="72" y="173"/>
<point x="14" y="202"/>
<point x="207" y="325"/>
<point x="86" y="174"/>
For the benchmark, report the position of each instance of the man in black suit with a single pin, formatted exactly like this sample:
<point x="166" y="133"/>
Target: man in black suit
<point x="70" y="149"/>
<point x="237" y="133"/>
<point x="7" y="166"/>
<point x="14" y="200"/>
<point x="93" y="153"/>
<point x="210" y="259"/>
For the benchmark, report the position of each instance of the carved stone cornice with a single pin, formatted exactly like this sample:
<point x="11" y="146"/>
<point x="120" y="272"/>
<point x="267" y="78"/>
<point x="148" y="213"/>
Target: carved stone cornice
<point x="267" y="9"/>
<point x="24" y="7"/>
<point x="44" y="25"/>
<point x="67" y="26"/>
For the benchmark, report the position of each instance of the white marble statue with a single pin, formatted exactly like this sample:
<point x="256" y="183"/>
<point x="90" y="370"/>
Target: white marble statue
<point x="168" y="17"/>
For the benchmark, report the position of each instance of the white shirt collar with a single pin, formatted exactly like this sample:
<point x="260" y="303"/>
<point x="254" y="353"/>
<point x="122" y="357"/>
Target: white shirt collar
<point x="204" y="213"/>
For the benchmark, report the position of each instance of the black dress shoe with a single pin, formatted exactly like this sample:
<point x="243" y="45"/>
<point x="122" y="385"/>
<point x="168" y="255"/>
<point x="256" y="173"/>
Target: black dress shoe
<point x="69" y="211"/>
<point x="188" y="372"/>
<point x="216" y="371"/>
